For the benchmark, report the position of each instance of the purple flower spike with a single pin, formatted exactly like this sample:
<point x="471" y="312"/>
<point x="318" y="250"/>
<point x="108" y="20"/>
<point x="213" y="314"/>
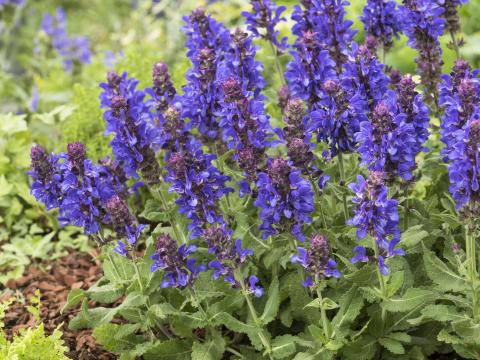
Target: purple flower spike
<point x="70" y="49"/>
<point x="377" y="216"/>
<point x="316" y="260"/>
<point x="207" y="41"/>
<point x="129" y="118"/>
<point x="382" y="21"/>
<point x="263" y="20"/>
<point x="47" y="179"/>
<point x="230" y="255"/>
<point x="199" y="185"/>
<point x="423" y="23"/>
<point x="285" y="199"/>
<point x="179" y="269"/>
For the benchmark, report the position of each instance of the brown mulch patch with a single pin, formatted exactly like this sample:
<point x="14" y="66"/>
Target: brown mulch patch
<point x="76" y="270"/>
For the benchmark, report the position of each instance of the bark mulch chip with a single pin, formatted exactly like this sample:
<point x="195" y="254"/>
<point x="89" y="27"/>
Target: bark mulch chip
<point x="76" y="270"/>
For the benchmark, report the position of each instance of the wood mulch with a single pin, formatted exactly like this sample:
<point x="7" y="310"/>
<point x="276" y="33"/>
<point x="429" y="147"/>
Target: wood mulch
<point x="55" y="279"/>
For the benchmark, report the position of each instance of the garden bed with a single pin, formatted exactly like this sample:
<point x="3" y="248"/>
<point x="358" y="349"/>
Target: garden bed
<point x="55" y="278"/>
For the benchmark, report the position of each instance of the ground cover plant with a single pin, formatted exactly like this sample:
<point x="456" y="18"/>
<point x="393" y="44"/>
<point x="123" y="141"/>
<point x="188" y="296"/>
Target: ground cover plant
<point x="288" y="196"/>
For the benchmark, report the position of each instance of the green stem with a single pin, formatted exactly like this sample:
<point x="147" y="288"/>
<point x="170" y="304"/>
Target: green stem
<point x="253" y="313"/>
<point x="234" y="352"/>
<point x="277" y="63"/>
<point x="455" y="44"/>
<point x="472" y="265"/>
<point x="326" y="326"/>
<point x="406" y="220"/>
<point x="180" y="238"/>
<point x="317" y="201"/>
<point x="194" y="298"/>
<point x="342" y="179"/>
<point x="382" y="285"/>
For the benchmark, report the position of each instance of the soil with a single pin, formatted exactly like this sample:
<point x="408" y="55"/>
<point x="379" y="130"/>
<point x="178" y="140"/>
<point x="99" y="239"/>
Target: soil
<point x="55" y="278"/>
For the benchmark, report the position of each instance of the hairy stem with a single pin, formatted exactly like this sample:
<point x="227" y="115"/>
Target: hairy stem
<point x="325" y="323"/>
<point x="253" y="313"/>
<point x="277" y="63"/>
<point x="381" y="282"/>
<point x="342" y="180"/>
<point x="455" y="44"/>
<point x="472" y="264"/>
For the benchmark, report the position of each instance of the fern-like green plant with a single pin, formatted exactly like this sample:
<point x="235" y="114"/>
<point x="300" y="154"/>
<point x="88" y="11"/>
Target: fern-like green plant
<point x="31" y="343"/>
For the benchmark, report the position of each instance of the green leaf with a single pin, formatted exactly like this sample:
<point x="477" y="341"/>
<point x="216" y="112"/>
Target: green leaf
<point x="101" y="315"/>
<point x="161" y="311"/>
<point x="411" y="298"/>
<point x="154" y="212"/>
<point x="413" y="236"/>
<point x="444" y="277"/>
<point x="233" y="324"/>
<point x="169" y="350"/>
<point x="440" y="312"/>
<point x="74" y="297"/>
<point x="400" y="336"/>
<point x="395" y="283"/>
<point x="392" y="345"/>
<point x="283" y="346"/>
<point x="209" y="350"/>
<point x="273" y="302"/>
<point x="105" y="294"/>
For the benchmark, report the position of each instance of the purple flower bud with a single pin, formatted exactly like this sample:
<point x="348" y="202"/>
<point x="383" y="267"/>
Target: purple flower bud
<point x="77" y="153"/>
<point x="119" y="214"/>
<point x="299" y="153"/>
<point x="283" y="97"/>
<point x="178" y="164"/>
<point x="113" y="79"/>
<point x="118" y="103"/>
<point x="179" y="269"/>
<point x="163" y="88"/>
<point x="41" y="164"/>
<point x="247" y="161"/>
<point x="316" y="260"/>
<point x="232" y="90"/>
<point x="456" y="248"/>
<point x="294" y="112"/>
<point x="279" y="169"/>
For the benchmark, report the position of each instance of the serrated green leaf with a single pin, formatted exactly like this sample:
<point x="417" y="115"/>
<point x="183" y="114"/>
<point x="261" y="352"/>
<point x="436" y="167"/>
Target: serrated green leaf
<point x="444" y="277"/>
<point x="161" y="311"/>
<point x="413" y="236"/>
<point x="283" y="346"/>
<point x="411" y="298"/>
<point x="273" y="302"/>
<point x="400" y="336"/>
<point x="209" y="350"/>
<point x="105" y="294"/>
<point x="392" y="345"/>
<point x="233" y="324"/>
<point x="169" y="350"/>
<point x="74" y="297"/>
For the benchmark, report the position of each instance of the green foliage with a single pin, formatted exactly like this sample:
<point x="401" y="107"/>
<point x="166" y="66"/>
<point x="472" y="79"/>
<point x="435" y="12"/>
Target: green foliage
<point x="31" y="343"/>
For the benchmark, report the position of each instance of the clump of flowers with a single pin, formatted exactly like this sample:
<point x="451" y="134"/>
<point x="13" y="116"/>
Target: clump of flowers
<point x="229" y="256"/>
<point x="179" y="269"/>
<point x="375" y="215"/>
<point x="207" y="41"/>
<point x="199" y="185"/>
<point x="262" y="21"/>
<point x="71" y="49"/>
<point x="382" y="21"/>
<point x="424" y="24"/>
<point x="460" y="97"/>
<point x="285" y="199"/>
<point x="128" y="117"/>
<point x="87" y="195"/>
<point x="316" y="260"/>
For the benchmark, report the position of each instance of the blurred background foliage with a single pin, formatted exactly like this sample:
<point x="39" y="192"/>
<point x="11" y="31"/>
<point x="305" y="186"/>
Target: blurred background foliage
<point x="125" y="35"/>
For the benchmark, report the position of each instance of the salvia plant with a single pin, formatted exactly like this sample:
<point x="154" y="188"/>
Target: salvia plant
<point x="334" y="228"/>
